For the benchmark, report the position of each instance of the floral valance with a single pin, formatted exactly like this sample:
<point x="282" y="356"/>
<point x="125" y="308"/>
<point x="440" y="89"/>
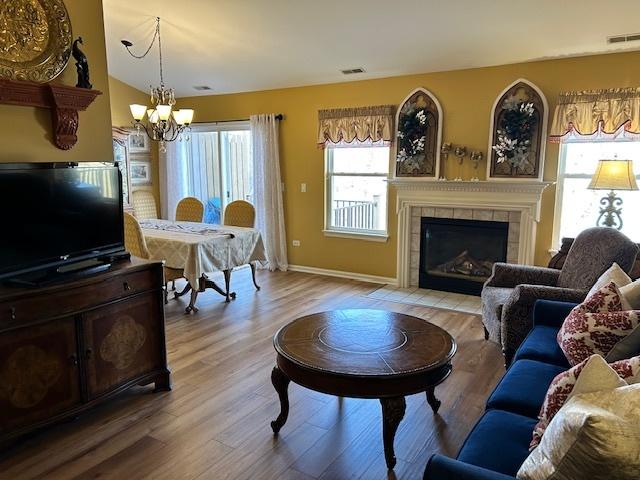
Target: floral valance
<point x="344" y="125"/>
<point x="596" y="111"/>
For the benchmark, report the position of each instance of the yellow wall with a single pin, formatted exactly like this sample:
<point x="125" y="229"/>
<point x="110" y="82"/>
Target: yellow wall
<point x="466" y="97"/>
<point x="26" y="132"/>
<point x="123" y="95"/>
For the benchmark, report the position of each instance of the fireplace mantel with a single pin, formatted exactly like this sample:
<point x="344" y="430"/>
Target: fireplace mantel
<point x="498" y="186"/>
<point x="455" y="198"/>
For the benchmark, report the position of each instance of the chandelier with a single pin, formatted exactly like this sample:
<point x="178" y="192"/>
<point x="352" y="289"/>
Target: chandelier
<point x="163" y="123"/>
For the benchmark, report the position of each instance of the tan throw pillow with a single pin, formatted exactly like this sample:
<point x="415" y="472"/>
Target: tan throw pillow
<point x="595" y="436"/>
<point x="613" y="274"/>
<point x="631" y="293"/>
<point x="590" y="375"/>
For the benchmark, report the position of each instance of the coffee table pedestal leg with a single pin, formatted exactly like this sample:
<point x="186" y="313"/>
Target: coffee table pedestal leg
<point x="433" y="402"/>
<point x="392" y="414"/>
<point x="281" y="383"/>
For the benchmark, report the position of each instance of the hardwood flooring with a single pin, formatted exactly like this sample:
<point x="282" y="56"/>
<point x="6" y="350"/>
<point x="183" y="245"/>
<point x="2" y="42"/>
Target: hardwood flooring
<point x="215" y="422"/>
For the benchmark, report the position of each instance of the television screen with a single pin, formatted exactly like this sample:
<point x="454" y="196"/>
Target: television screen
<point x="55" y="215"/>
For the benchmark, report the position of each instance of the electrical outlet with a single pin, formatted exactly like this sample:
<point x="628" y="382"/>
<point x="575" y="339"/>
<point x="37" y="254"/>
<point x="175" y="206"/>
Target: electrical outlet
<point x="303" y="187"/>
<point x="296" y="243"/>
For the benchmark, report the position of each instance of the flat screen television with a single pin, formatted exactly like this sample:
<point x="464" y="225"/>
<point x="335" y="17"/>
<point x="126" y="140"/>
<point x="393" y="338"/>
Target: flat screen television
<point x="57" y="214"/>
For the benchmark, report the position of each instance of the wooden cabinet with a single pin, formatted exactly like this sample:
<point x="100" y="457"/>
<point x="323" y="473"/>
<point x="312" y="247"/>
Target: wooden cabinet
<point x="70" y="346"/>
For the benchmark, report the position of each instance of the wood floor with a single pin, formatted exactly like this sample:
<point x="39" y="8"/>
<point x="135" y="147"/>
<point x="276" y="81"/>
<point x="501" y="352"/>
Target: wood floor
<point x="215" y="422"/>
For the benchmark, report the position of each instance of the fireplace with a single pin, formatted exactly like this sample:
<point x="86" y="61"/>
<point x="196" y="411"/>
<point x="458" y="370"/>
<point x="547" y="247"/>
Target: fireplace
<point x="457" y="255"/>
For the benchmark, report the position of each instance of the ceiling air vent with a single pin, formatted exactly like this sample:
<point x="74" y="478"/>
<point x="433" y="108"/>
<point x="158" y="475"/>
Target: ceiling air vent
<point x="351" y="71"/>
<point x="201" y="88"/>
<point x="629" y="37"/>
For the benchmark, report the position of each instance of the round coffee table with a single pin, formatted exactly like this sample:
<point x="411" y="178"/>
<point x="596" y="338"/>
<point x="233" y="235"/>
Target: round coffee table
<point x="363" y="354"/>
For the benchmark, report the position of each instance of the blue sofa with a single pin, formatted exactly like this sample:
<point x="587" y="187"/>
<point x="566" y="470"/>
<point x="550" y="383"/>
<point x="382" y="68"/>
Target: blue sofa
<point x="499" y="442"/>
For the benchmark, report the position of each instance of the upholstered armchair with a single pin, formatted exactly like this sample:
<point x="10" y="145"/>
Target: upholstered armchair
<point x="509" y="294"/>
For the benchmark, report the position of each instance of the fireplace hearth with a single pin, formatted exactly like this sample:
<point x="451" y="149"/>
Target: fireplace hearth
<point x="457" y="255"/>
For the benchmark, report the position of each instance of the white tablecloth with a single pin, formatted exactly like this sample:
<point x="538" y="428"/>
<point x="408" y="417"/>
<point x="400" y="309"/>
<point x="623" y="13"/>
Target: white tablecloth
<point x="199" y="247"/>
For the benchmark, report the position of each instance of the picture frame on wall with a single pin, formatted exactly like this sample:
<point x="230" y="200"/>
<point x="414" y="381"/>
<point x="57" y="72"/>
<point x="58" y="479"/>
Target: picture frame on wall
<point x="138" y="143"/>
<point x="140" y="171"/>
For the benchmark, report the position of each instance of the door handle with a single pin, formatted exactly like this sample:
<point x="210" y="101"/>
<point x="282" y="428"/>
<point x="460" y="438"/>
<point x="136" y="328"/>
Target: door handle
<point x="73" y="359"/>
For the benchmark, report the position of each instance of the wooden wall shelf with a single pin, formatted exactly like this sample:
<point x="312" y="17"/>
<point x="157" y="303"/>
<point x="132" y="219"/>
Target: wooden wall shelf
<point x="64" y="102"/>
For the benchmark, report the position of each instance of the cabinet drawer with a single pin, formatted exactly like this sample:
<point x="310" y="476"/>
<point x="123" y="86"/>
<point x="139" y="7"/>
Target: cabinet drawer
<point x="63" y="302"/>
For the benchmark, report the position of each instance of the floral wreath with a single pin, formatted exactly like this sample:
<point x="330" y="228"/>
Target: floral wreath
<point x="411" y="138"/>
<point x="515" y="131"/>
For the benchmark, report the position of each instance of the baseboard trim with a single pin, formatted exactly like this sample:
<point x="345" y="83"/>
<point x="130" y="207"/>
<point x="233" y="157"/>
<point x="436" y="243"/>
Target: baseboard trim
<point x="362" y="277"/>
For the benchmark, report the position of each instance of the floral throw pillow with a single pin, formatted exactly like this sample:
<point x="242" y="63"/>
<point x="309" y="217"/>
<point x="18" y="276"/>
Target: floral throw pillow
<point x="596" y="325"/>
<point x="562" y="387"/>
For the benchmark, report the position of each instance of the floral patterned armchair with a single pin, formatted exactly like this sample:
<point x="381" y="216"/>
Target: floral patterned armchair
<point x="509" y="294"/>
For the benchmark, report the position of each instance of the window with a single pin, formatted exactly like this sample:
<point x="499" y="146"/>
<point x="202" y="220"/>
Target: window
<point x="577" y="207"/>
<point x="356" y="190"/>
<point x="215" y="166"/>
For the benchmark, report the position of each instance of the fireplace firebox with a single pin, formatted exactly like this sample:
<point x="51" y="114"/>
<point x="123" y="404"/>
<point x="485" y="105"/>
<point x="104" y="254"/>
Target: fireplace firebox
<point x="457" y="255"/>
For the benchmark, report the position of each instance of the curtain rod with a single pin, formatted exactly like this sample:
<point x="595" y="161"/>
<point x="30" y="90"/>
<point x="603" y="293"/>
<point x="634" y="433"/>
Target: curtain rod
<point x="278" y="117"/>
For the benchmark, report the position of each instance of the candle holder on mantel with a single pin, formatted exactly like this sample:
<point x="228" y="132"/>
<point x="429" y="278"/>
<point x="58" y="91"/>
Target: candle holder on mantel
<point x="476" y="158"/>
<point x="460" y="152"/>
<point x="445" y="149"/>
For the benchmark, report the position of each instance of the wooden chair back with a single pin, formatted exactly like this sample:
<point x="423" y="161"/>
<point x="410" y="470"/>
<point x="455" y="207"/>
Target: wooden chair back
<point x="240" y="214"/>
<point x="144" y="205"/>
<point x="189" y="209"/>
<point x="134" y="240"/>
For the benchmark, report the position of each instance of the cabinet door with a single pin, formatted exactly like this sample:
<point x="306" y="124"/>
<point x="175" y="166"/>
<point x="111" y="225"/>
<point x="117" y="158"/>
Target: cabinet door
<point x="38" y="373"/>
<point x="123" y="341"/>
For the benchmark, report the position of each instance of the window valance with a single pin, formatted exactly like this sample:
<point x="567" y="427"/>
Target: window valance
<point x="596" y="111"/>
<point x="344" y="125"/>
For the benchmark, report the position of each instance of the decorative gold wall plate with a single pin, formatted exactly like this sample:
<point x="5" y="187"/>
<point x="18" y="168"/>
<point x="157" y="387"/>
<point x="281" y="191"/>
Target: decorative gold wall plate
<point x="35" y="39"/>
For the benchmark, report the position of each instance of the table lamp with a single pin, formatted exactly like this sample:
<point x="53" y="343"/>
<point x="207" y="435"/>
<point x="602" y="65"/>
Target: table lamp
<point x="612" y="175"/>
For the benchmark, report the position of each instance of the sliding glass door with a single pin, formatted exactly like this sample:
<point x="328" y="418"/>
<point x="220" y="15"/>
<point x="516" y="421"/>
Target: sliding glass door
<point x="214" y="166"/>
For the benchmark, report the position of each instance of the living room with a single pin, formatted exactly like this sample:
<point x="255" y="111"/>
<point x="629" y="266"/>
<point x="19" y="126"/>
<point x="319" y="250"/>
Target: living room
<point x="366" y="240"/>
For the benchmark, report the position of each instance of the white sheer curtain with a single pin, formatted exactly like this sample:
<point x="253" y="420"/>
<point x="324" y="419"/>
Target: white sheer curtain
<point x="189" y="169"/>
<point x="268" y="189"/>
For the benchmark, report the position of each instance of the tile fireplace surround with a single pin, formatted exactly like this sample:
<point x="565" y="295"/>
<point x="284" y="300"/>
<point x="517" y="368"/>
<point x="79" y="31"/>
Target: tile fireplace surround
<point x="516" y="202"/>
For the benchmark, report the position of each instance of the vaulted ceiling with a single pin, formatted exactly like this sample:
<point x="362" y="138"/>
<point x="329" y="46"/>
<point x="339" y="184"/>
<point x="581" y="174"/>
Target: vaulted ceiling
<point x="248" y="45"/>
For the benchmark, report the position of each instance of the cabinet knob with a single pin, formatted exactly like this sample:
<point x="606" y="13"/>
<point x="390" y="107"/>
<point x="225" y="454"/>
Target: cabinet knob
<point x="12" y="311"/>
<point x="73" y="359"/>
<point x="126" y="286"/>
<point x="89" y="353"/>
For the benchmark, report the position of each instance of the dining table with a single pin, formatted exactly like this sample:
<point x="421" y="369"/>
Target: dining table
<point x="201" y="248"/>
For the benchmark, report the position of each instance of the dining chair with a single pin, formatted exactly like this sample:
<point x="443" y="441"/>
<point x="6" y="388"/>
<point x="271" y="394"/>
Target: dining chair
<point x="189" y="209"/>
<point x="135" y="243"/>
<point x="240" y="213"/>
<point x="144" y="205"/>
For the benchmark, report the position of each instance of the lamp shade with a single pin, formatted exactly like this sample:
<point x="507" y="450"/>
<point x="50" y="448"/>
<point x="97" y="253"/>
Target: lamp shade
<point x="614" y="175"/>
<point x="138" y="111"/>
<point x="164" y="112"/>
<point x="187" y="115"/>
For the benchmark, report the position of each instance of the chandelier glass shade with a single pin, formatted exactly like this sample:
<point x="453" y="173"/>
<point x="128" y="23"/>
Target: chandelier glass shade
<point x="163" y="122"/>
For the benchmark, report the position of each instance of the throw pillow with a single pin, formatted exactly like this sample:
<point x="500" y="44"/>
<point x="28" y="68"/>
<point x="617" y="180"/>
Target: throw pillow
<point x="631" y="293"/>
<point x="595" y="436"/>
<point x="596" y="325"/>
<point x="590" y="375"/>
<point x="613" y="274"/>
